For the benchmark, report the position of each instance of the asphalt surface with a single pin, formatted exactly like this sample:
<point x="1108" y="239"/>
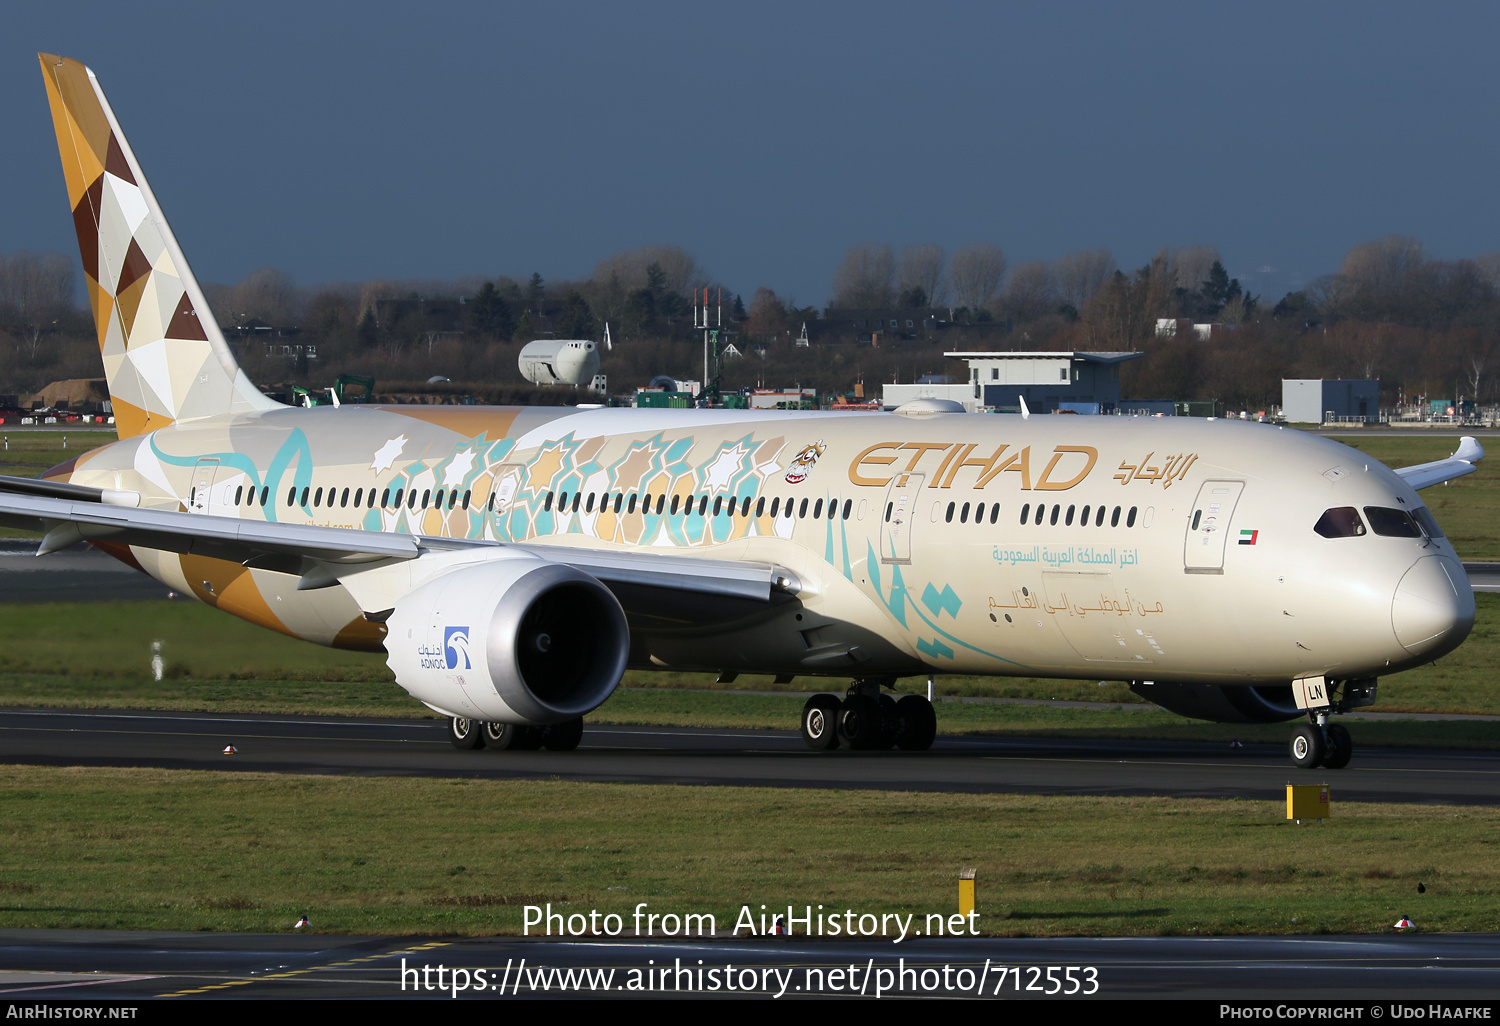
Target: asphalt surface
<point x="71" y="965"/>
<point x="755" y="758"/>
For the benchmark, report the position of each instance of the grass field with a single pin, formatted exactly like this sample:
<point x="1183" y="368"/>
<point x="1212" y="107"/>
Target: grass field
<point x="153" y="849"/>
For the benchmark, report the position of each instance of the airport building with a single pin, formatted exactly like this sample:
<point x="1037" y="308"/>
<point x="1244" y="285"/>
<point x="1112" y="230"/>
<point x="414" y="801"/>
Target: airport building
<point x="1070" y="382"/>
<point x="1324" y="400"/>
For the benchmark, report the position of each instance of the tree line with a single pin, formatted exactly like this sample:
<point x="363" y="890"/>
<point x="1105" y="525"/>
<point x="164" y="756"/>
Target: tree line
<point x="1421" y="325"/>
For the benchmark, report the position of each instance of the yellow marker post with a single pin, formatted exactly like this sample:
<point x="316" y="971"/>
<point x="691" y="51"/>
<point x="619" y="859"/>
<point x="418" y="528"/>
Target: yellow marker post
<point x="965" y="891"/>
<point x="1308" y="801"/>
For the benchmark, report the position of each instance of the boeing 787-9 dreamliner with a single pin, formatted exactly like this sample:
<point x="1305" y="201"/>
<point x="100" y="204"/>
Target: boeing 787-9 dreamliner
<point x="513" y="562"/>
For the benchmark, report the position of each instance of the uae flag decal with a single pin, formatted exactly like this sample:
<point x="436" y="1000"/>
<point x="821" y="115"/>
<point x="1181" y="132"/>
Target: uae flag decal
<point x="1248" y="537"/>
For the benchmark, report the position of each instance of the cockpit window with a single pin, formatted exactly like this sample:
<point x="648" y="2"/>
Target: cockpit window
<point x="1392" y="523"/>
<point x="1340" y="522"/>
<point x="1429" y="523"/>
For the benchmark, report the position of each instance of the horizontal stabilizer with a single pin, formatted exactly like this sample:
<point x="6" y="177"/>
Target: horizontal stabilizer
<point x="1425" y="475"/>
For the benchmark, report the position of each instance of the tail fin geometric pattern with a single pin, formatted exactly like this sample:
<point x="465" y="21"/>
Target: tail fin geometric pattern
<point x="165" y="359"/>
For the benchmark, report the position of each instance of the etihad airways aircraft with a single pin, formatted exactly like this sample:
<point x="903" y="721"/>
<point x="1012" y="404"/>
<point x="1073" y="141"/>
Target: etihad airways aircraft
<point x="514" y="562"/>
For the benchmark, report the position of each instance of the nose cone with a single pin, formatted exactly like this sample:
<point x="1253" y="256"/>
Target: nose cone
<point x="1434" y="607"/>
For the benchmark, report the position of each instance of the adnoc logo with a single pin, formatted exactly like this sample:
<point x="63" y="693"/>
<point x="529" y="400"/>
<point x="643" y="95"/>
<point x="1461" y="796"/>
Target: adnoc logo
<point x="456" y="648"/>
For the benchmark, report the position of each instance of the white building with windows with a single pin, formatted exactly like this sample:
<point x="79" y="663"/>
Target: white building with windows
<point x="1071" y="382"/>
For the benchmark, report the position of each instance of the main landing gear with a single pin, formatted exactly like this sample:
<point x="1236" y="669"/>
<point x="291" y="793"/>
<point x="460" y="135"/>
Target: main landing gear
<point x="866" y="720"/>
<point x="467" y="734"/>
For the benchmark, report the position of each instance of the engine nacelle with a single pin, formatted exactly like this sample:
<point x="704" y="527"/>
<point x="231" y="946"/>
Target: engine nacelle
<point x="1260" y="703"/>
<point x="509" y="640"/>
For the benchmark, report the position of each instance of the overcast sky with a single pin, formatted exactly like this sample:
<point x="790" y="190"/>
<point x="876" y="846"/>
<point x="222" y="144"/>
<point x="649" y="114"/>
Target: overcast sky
<point x="382" y="139"/>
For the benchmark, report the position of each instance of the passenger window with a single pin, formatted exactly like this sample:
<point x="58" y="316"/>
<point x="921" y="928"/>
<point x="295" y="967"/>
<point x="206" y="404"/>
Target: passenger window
<point x="818" y="509"/>
<point x="239" y="493"/>
<point x="802" y="512"/>
<point x="949" y="518"/>
<point x="318" y="497"/>
<point x="1130" y="517"/>
<point x="776" y="503"/>
<point x="305" y="490"/>
<point x="1340" y="522"/>
<point x="589" y="506"/>
<point x="718" y="505"/>
<point x="1392" y="523"/>
<point x="426" y="497"/>
<point x="848" y="508"/>
<point x="676" y="501"/>
<point x="1114" y="518"/>
<point x="760" y="505"/>
<point x="1083" y="521"/>
<point x="618" y="500"/>
<point x="385" y="498"/>
<point x="888" y="511"/>
<point x="344" y="498"/>
<point x="994" y="512"/>
<point x="1025" y="513"/>
<point x="703" y="505"/>
<point x="546" y="502"/>
<point x="265" y="495"/>
<point x="1099" y="517"/>
<point x="630" y="507"/>
<point x="661" y="501"/>
<point x="1069" y="519"/>
<point x="963" y="514"/>
<point x="291" y="496"/>
<point x="397" y="500"/>
<point x="1055" y="510"/>
<point x="1041" y="508"/>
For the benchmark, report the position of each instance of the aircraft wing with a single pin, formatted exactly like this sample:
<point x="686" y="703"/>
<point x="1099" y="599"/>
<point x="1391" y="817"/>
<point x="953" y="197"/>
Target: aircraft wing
<point x="1425" y="475"/>
<point x="667" y="589"/>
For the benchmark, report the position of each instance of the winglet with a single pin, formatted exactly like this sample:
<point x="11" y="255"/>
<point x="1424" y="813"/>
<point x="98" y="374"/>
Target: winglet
<point x="1462" y="462"/>
<point x="1025" y="411"/>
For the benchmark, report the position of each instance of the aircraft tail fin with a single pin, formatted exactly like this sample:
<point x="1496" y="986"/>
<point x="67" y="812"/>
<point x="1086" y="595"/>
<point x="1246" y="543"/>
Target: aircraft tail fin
<point x="165" y="359"/>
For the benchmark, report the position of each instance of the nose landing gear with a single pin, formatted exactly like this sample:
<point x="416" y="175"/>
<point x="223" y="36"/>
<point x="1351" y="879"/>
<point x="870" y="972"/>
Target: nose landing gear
<point x="1320" y="743"/>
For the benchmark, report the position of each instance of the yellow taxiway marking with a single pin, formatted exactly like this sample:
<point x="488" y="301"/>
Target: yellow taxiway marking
<point x="302" y="972"/>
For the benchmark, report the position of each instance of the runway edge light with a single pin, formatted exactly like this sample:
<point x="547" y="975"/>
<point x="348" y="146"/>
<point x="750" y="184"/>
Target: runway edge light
<point x="1308" y="801"/>
<point x="965" y="891"/>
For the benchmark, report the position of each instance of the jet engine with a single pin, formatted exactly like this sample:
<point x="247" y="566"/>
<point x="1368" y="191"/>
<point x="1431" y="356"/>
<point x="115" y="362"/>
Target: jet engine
<point x="1260" y="703"/>
<point x="509" y="640"/>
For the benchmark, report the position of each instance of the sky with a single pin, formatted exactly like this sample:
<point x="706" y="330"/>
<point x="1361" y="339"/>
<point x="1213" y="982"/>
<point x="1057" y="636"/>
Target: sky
<point x="342" y="142"/>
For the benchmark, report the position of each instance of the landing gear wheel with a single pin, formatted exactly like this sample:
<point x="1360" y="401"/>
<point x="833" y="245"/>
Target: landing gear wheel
<point x="1307" y="746"/>
<point x="465" y="733"/>
<point x="890" y="724"/>
<point x="527" y="739"/>
<point x="564" y="737"/>
<point x="499" y="736"/>
<point x="820" y="723"/>
<point x="859" y="722"/>
<point x="917" y="724"/>
<point x="1340" y="747"/>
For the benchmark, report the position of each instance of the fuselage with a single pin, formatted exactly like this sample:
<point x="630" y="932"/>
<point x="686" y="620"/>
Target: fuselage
<point x="1130" y="549"/>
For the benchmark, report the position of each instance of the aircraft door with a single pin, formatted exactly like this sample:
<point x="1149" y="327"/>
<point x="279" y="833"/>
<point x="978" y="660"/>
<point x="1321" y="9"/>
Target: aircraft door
<point x="509" y="523"/>
<point x="1208" y="526"/>
<point x="200" y="490"/>
<point x="900" y="513"/>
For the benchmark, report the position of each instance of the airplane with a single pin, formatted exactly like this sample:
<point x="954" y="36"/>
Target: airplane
<point x="513" y="562"/>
